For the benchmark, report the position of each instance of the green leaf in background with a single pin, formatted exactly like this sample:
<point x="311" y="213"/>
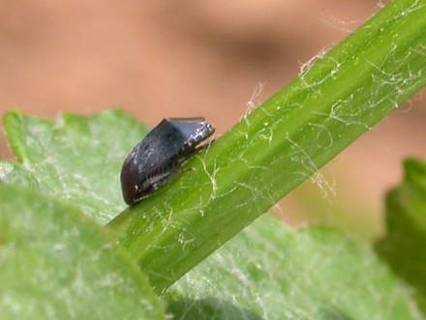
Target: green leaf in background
<point x="405" y="244"/>
<point x="268" y="271"/>
<point x="56" y="264"/>
<point x="76" y="158"/>
<point x="271" y="272"/>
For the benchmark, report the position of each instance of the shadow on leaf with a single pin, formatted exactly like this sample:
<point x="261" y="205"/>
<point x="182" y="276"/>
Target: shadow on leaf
<point x="212" y="308"/>
<point x="209" y="308"/>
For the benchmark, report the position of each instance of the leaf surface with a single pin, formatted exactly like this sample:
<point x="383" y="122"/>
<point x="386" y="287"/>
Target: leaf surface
<point x="76" y="158"/>
<point x="404" y="246"/>
<point x="269" y="271"/>
<point x="56" y="264"/>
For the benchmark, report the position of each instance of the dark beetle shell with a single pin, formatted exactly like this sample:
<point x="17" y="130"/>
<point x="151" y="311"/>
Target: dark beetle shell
<point x="155" y="159"/>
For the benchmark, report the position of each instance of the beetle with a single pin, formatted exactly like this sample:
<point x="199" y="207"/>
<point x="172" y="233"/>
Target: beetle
<point x="158" y="157"/>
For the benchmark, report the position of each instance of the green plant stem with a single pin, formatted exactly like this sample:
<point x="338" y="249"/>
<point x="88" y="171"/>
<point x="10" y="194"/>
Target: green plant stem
<point x="280" y="144"/>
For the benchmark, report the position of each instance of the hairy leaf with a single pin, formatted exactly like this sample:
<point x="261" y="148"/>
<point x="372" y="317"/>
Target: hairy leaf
<point x="12" y="173"/>
<point x="271" y="272"/>
<point x="76" y="158"/>
<point x="56" y="264"/>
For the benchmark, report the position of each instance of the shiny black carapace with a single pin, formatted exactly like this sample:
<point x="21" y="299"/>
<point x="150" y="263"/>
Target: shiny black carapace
<point x="155" y="159"/>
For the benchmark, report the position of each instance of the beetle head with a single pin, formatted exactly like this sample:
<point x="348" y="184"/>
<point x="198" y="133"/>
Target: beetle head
<point x="193" y="130"/>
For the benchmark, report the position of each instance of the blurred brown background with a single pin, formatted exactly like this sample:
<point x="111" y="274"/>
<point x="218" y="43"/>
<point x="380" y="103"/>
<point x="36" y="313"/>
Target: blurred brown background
<point x="183" y="58"/>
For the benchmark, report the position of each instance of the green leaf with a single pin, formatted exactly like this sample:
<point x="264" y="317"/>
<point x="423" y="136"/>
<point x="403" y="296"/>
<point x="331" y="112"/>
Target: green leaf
<point x="56" y="264"/>
<point x="77" y="158"/>
<point x="404" y="247"/>
<point x="280" y="145"/>
<point x="11" y="173"/>
<point x="271" y="272"/>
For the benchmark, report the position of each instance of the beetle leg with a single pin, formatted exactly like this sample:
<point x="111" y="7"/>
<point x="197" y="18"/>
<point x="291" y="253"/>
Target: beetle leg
<point x="189" y="155"/>
<point x="199" y="149"/>
<point x="153" y="183"/>
<point x="160" y="179"/>
<point x="205" y="146"/>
